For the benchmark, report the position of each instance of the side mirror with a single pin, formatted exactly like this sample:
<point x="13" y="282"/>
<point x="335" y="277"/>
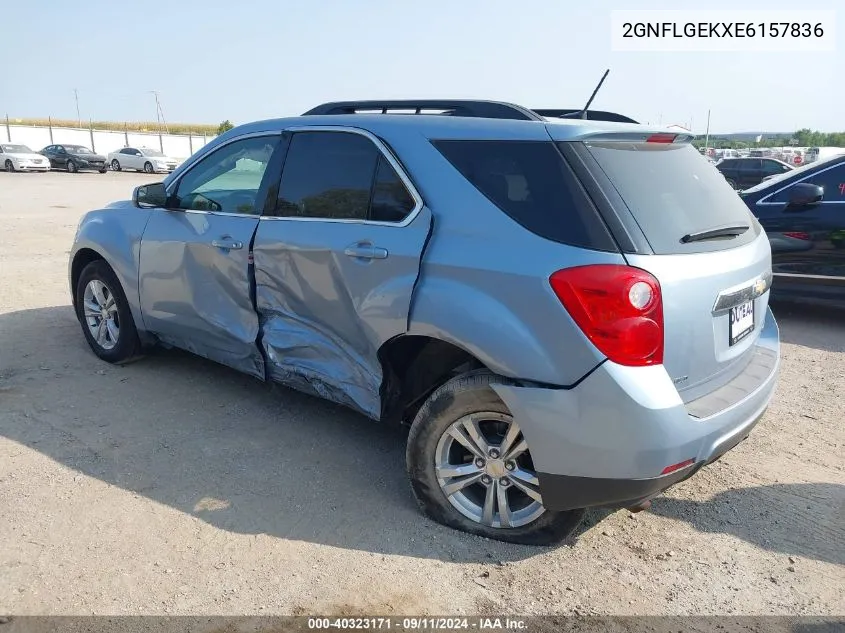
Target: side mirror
<point x="804" y="194"/>
<point x="152" y="195"/>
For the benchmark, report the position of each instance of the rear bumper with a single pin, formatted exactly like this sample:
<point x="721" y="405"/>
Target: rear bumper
<point x="607" y="441"/>
<point x="565" y="492"/>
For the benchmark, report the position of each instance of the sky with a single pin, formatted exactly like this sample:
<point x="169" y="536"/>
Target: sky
<point x="211" y="60"/>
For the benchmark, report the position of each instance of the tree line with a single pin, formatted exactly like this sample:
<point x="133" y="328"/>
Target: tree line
<point x="802" y="138"/>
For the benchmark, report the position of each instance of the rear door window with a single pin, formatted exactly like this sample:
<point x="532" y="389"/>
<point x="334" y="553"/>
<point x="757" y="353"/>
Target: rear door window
<point x="327" y="175"/>
<point x="531" y="183"/>
<point x="672" y="192"/>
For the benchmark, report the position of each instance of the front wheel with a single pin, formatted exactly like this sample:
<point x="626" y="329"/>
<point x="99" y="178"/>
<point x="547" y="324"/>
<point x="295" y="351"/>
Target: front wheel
<point x="71" y="167"/>
<point x="471" y="468"/>
<point x="103" y="312"/>
<point x="10" y="166"/>
<point x="148" y="167"/>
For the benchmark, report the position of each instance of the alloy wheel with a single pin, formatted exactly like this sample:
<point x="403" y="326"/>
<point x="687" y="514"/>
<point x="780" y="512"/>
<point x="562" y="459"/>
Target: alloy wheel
<point x="101" y="315"/>
<point x="484" y="468"/>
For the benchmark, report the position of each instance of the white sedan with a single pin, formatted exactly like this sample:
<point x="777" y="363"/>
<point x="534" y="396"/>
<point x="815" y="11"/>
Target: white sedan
<point x="14" y="157"/>
<point x="141" y="159"/>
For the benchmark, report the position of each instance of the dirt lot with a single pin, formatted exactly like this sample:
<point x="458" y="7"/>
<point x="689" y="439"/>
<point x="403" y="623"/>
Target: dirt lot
<point x="177" y="486"/>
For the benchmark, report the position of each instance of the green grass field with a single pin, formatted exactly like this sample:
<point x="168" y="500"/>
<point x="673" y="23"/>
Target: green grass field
<point x="129" y="126"/>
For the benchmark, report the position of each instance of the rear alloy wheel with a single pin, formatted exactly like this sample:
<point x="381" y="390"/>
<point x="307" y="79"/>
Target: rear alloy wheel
<point x="103" y="312"/>
<point x="71" y="167"/>
<point x="115" y="166"/>
<point x="471" y="468"/>
<point x="10" y="166"/>
<point x="148" y="167"/>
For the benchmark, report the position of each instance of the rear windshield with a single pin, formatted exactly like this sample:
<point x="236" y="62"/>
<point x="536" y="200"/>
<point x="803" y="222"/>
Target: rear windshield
<point x="672" y="191"/>
<point x="531" y="183"/>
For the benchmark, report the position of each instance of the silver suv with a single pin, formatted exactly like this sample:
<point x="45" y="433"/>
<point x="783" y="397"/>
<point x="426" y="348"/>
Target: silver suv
<point x="567" y="312"/>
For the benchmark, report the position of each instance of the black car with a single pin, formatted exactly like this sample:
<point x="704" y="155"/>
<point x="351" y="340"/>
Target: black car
<point x="74" y="158"/>
<point x="803" y="212"/>
<point x="742" y="173"/>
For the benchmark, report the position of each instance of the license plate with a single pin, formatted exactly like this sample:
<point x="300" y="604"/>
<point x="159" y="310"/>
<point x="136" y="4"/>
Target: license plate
<point x="741" y="322"/>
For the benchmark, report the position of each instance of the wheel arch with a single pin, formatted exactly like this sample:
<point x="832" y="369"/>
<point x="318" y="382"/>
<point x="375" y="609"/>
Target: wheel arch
<point x="81" y="259"/>
<point x="413" y="366"/>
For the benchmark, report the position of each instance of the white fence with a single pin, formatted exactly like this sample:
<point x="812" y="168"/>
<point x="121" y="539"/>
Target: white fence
<point x="179" y="146"/>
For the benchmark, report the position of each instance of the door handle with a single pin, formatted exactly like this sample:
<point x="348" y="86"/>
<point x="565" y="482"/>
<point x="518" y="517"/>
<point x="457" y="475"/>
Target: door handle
<point x="227" y="244"/>
<point x="365" y="251"/>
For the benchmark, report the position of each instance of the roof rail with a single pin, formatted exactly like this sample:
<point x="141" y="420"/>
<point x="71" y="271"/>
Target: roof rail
<point x="592" y="115"/>
<point x="453" y="107"/>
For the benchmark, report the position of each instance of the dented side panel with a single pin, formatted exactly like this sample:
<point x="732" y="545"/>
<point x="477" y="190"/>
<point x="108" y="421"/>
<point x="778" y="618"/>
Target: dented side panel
<point x="195" y="295"/>
<point x="325" y="312"/>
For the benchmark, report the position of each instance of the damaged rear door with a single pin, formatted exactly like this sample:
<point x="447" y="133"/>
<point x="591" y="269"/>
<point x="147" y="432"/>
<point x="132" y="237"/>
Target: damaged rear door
<point x="195" y="264"/>
<point x="336" y="264"/>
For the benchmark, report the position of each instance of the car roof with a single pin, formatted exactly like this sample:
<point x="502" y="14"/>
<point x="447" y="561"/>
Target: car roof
<point x="433" y="126"/>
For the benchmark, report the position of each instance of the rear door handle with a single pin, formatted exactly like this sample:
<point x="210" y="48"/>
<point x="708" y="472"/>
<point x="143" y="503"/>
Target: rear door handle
<point x="365" y="251"/>
<point x="227" y="244"/>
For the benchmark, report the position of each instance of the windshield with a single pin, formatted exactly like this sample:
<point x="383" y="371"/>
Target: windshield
<point x="16" y="149"/>
<point x="791" y="173"/>
<point x="672" y="191"/>
<point x="151" y="152"/>
<point x="78" y="149"/>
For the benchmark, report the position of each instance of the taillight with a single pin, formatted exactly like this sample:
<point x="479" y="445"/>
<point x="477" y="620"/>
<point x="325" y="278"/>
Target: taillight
<point x="619" y="308"/>
<point x="798" y="235"/>
<point x="661" y="138"/>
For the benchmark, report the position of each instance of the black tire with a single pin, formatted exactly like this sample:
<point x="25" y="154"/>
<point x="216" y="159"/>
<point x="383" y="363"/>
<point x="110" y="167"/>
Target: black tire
<point x="10" y="166"/>
<point x="454" y="399"/>
<point x="102" y="171"/>
<point x="71" y="167"/>
<point x="148" y="168"/>
<point x="115" y="166"/>
<point x="128" y="345"/>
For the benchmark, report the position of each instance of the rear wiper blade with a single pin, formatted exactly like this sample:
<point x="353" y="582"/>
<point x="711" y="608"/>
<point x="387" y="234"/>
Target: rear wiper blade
<point x="727" y="230"/>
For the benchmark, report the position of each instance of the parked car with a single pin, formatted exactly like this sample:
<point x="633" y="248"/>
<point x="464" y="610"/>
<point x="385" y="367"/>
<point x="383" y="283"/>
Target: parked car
<point x="74" y="158"/>
<point x="141" y="159"/>
<point x="15" y="157"/>
<point x="807" y="207"/>
<point x="567" y="313"/>
<point x="747" y="172"/>
<point x="814" y="154"/>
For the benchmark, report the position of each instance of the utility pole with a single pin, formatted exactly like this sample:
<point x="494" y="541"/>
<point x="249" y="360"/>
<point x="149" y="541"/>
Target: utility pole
<point x="159" y="113"/>
<point x="707" y="134"/>
<point x="78" y="118"/>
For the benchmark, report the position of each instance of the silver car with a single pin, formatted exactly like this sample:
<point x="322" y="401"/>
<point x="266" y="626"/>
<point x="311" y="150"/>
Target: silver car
<point x="567" y="313"/>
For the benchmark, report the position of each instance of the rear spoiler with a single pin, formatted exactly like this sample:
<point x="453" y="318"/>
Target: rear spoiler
<point x="591" y="115"/>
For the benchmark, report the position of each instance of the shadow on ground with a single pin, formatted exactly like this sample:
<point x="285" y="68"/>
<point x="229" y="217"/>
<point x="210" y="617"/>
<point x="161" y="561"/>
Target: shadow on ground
<point x="262" y="459"/>
<point x="811" y="326"/>
<point x="805" y="520"/>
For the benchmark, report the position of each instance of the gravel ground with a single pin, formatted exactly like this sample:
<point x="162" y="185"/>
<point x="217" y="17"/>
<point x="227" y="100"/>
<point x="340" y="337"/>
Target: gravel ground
<point x="174" y="485"/>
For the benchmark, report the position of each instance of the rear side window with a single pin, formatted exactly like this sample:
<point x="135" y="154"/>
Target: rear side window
<point x="391" y="201"/>
<point x="533" y="185"/>
<point x="672" y="192"/>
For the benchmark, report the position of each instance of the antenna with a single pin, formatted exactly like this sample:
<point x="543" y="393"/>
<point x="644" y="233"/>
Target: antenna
<point x="582" y="114"/>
